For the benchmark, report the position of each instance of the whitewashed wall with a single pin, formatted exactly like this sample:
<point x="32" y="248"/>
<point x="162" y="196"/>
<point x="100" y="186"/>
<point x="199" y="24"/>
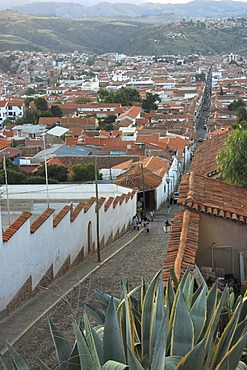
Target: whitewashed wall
<point x="27" y="254"/>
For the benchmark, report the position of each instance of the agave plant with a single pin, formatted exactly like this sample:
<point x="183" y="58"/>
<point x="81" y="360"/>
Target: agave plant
<point x="147" y="329"/>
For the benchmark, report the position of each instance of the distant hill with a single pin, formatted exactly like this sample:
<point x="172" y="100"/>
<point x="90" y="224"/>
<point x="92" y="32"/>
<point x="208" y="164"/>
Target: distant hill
<point x="33" y="33"/>
<point x="193" y="9"/>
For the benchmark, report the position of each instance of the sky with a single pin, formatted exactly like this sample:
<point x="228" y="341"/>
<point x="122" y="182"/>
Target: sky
<point x="179" y="1"/>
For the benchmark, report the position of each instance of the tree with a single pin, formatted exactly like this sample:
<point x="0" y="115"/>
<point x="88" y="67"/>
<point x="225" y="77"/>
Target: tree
<point x="124" y="96"/>
<point x="27" y="101"/>
<point x="232" y="159"/>
<point x="41" y="104"/>
<point x="30" y="91"/>
<point x="59" y="173"/>
<point x="149" y="103"/>
<point x="14" y="174"/>
<point x="56" y="111"/>
<point x="241" y="114"/>
<point x="82" y="100"/>
<point x="84" y="172"/>
<point x="236" y="104"/>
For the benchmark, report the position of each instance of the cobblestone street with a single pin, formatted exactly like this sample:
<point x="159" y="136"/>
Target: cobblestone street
<point x="142" y="257"/>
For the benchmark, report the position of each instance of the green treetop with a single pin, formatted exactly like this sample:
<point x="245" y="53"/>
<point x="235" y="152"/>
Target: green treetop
<point x="232" y="159"/>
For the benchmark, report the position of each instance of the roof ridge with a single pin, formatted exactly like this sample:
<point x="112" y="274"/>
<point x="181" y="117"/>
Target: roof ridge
<point x="191" y="184"/>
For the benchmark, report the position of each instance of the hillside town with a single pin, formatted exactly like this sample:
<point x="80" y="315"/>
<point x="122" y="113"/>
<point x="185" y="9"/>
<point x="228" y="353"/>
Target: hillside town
<point x="154" y="152"/>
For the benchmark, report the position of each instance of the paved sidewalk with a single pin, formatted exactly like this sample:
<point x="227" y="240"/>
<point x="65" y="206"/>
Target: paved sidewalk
<point x="14" y="326"/>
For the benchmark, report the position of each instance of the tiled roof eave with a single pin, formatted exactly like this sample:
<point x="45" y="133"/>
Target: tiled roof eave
<point x="214" y="211"/>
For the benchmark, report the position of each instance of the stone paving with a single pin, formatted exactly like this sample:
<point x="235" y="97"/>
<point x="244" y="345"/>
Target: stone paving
<point x="136" y="255"/>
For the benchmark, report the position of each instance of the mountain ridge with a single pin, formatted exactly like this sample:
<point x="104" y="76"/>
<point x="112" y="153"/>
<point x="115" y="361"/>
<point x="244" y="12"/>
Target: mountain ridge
<point x="192" y="9"/>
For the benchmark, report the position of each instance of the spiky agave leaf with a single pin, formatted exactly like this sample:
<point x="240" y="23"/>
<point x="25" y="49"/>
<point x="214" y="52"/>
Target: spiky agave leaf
<point x="193" y="359"/>
<point x="198" y="313"/>
<point x="62" y="347"/>
<point x="113" y="365"/>
<point x="182" y="338"/>
<point x="104" y="299"/>
<point x="5" y="364"/>
<point x="90" y="339"/>
<point x="18" y="361"/>
<point x="83" y="351"/>
<point x="158" y="314"/>
<point x="159" y="352"/>
<point x="133" y="362"/>
<point x="226" y="338"/>
<point x="112" y="341"/>
<point x="147" y="316"/>
<point x="232" y="357"/>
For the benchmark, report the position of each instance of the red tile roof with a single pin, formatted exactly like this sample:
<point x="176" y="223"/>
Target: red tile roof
<point x="204" y="161"/>
<point x="213" y="197"/>
<point x="16" y="225"/>
<point x="183" y="243"/>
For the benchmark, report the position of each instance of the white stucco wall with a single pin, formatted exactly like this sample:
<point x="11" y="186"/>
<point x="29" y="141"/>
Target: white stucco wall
<point x="27" y="254"/>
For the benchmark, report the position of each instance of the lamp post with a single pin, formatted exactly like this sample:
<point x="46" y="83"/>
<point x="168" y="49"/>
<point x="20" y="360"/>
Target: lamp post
<point x="168" y="190"/>
<point x="143" y="190"/>
<point x="46" y="174"/>
<point x="97" y="208"/>
<point x="6" y="183"/>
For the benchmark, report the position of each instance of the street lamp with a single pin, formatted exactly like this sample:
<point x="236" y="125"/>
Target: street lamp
<point x="97" y="207"/>
<point x="46" y="173"/>
<point x="168" y="192"/>
<point x="6" y="182"/>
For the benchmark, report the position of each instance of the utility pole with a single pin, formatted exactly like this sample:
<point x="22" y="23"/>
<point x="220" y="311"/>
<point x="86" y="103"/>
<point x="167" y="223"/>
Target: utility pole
<point x="6" y="183"/>
<point x="97" y="208"/>
<point x="46" y="175"/>
<point x="143" y="190"/>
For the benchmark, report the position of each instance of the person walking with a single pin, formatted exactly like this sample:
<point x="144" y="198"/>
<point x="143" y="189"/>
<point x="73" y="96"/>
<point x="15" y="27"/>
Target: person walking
<point x="151" y="215"/>
<point x="166" y="225"/>
<point x="146" y="223"/>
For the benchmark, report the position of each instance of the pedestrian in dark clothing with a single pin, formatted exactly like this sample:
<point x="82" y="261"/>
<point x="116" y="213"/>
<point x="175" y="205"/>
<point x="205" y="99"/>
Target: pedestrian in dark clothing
<point x="166" y="225"/>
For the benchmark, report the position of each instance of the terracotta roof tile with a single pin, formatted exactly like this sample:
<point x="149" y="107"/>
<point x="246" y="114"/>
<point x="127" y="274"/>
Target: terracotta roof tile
<point x="108" y="203"/>
<point x="58" y="218"/>
<point x="183" y="243"/>
<point x="213" y="197"/>
<point x="77" y="210"/>
<point x="41" y="219"/>
<point x="16" y="225"/>
<point x="204" y="162"/>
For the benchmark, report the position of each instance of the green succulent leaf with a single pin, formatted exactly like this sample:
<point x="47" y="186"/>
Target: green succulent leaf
<point x="211" y="304"/>
<point x="86" y="360"/>
<point x="158" y="314"/>
<point x="182" y="330"/>
<point x="226" y="338"/>
<point x="133" y="362"/>
<point x="104" y="299"/>
<point x="198" y="313"/>
<point x="42" y="365"/>
<point x="239" y="332"/>
<point x="74" y="362"/>
<point x="5" y="364"/>
<point x="112" y="342"/>
<point x="99" y="315"/>
<point x="159" y="353"/>
<point x="113" y="365"/>
<point x="147" y="316"/>
<point x="91" y="343"/>
<point x="194" y="359"/>
<point x="62" y="346"/>
<point x="18" y="361"/>
<point x="232" y="357"/>
<point x="171" y="362"/>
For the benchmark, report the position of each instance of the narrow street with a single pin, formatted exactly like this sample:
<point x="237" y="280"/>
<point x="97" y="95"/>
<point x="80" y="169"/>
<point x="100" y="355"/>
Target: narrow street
<point x="141" y="258"/>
